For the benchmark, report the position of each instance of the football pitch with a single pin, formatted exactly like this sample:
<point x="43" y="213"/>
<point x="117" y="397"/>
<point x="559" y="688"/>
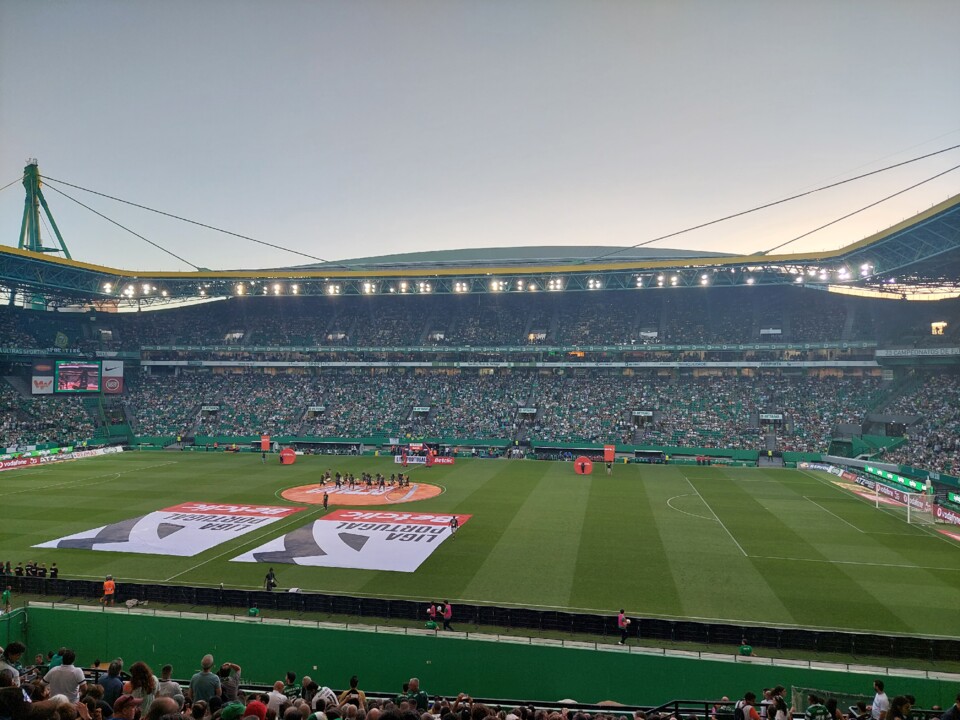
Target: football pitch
<point x="759" y="546"/>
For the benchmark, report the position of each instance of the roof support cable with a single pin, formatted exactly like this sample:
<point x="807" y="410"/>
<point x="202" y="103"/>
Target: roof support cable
<point x="124" y="227"/>
<point x="865" y="207"/>
<point x="771" y="204"/>
<point x="192" y="222"/>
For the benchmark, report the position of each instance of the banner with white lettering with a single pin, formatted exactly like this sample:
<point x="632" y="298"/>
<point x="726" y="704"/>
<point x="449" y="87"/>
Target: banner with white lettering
<point x="362" y="539"/>
<point x="184" y="530"/>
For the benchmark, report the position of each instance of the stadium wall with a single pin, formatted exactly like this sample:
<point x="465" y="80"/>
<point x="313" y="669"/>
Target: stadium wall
<point x="13" y="626"/>
<point x="445" y="665"/>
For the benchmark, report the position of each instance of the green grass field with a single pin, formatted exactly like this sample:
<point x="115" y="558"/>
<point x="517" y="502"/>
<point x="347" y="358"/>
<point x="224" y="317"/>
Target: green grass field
<point x="753" y="545"/>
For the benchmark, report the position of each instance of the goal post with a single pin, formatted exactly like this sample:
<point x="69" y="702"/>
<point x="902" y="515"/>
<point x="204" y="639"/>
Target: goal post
<point x="918" y="507"/>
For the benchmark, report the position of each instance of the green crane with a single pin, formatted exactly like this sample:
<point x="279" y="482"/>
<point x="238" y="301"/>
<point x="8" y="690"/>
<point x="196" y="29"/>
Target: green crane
<point x="30" y="227"/>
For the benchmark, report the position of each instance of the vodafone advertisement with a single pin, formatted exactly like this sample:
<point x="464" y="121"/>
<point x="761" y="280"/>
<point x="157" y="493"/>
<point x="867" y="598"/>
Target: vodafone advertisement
<point x="42" y="457"/>
<point x="946" y="515"/>
<point x="19" y="463"/>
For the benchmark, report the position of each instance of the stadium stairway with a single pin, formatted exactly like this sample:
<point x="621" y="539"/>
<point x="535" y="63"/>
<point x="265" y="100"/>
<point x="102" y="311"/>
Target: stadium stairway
<point x="95" y="411"/>
<point x="849" y="322"/>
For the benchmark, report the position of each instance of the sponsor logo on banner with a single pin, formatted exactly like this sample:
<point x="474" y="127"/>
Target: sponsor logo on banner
<point x="920" y="502"/>
<point x="42" y="385"/>
<point x="366" y="540"/>
<point x="113" y="377"/>
<point x="814" y="466"/>
<point x="421" y="460"/>
<point x="946" y="515"/>
<point x="19" y="463"/>
<point x="183" y="530"/>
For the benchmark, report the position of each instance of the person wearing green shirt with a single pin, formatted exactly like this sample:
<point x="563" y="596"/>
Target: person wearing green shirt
<point x="5" y="597"/>
<point x="290" y="687"/>
<point x="816" y="710"/>
<point x="745" y="648"/>
<point x="418" y="696"/>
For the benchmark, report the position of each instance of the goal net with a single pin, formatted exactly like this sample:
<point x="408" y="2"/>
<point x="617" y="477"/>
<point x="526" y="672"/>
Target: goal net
<point x="917" y="507"/>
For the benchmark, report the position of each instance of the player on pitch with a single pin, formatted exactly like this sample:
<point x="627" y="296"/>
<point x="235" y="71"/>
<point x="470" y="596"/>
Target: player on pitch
<point x="454" y="525"/>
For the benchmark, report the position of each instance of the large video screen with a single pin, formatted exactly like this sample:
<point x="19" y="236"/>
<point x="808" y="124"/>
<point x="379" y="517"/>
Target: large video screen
<point x="77" y="377"/>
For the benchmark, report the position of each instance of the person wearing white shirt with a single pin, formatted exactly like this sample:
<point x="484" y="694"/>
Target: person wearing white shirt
<point x="881" y="704"/>
<point x="276" y="698"/>
<point x="65" y="679"/>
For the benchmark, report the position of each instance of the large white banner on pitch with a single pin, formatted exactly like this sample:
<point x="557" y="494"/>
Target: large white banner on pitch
<point x="184" y="530"/>
<point x="361" y="539"/>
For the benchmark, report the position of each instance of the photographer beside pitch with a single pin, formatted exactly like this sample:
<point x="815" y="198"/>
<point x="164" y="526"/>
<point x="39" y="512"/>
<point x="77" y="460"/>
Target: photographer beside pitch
<point x="623" y="625"/>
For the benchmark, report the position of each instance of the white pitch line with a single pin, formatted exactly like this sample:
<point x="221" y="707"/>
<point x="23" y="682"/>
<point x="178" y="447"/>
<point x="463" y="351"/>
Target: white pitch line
<point x="297" y="518"/>
<point x="109" y="476"/>
<point x="854" y="562"/>
<point x="923" y="530"/>
<point x="739" y="546"/>
<point x="672" y="507"/>
<point x="829" y="512"/>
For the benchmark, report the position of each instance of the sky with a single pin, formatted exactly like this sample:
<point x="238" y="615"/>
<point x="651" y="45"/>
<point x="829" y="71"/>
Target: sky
<point x="353" y="129"/>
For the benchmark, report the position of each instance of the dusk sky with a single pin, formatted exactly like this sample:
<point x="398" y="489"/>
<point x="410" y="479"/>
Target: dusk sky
<point x="350" y="129"/>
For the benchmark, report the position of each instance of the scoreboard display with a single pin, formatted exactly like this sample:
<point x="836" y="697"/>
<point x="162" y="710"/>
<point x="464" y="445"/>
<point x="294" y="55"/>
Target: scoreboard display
<point x="77" y="376"/>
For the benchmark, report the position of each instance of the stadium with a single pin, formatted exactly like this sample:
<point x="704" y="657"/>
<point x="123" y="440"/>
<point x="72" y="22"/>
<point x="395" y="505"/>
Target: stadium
<point x="653" y="423"/>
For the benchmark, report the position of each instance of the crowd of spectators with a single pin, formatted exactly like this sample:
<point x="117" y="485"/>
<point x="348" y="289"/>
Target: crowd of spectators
<point x="268" y="404"/>
<point x="625" y="317"/>
<point x="42" y="419"/>
<point x="578" y="406"/>
<point x="165" y="405"/>
<point x="933" y="443"/>
<point x="57" y="687"/>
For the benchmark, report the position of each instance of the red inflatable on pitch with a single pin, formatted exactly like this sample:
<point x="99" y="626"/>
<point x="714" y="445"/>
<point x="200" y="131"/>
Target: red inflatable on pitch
<point x="583" y="465"/>
<point x="287" y="456"/>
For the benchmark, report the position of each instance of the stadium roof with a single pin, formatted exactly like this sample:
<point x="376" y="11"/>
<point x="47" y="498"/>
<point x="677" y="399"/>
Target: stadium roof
<point x="921" y="254"/>
<point x="528" y="255"/>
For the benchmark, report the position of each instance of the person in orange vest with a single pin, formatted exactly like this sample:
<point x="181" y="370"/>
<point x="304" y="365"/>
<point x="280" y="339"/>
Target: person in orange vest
<point x="109" y="591"/>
